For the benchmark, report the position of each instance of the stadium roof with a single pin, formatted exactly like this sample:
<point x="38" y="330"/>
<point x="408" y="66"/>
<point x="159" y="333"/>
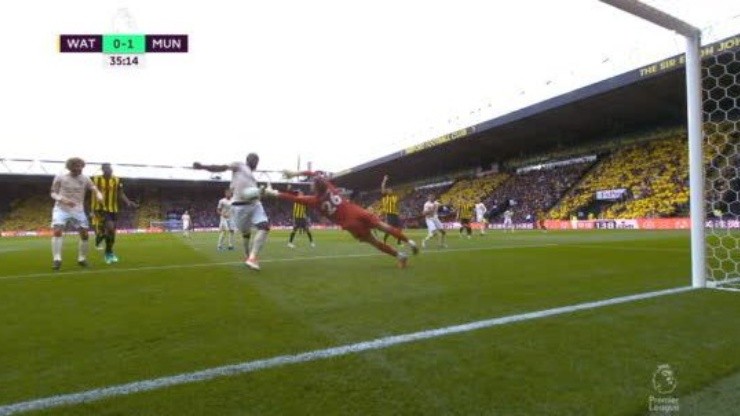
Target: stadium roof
<point x="34" y="167"/>
<point x="641" y="99"/>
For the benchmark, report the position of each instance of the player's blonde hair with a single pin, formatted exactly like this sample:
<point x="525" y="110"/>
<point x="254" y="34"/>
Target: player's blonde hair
<point x="74" y="160"/>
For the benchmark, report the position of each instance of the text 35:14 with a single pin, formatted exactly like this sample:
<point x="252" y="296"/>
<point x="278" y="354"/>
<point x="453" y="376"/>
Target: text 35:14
<point x="116" y="60"/>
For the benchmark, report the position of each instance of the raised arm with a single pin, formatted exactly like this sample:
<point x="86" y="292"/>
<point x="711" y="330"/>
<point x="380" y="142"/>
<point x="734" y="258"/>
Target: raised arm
<point x="382" y="184"/>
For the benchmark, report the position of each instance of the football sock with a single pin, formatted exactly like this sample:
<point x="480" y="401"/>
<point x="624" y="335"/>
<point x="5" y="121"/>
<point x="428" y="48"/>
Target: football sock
<point x="56" y="247"/>
<point x="245" y="238"/>
<point x="385" y="248"/>
<point x="398" y="234"/>
<point x="83" y="247"/>
<point x="259" y="240"/>
<point x="108" y="244"/>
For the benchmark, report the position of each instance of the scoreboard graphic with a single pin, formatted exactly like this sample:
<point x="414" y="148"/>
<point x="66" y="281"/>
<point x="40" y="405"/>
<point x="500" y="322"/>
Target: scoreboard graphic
<point x="123" y="44"/>
<point x="123" y="49"/>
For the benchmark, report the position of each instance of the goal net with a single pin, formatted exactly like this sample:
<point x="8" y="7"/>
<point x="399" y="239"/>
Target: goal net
<point x="713" y="103"/>
<point x="721" y="122"/>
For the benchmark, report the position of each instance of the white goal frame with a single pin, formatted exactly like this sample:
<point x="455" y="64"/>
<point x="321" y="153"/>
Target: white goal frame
<point x="694" y="115"/>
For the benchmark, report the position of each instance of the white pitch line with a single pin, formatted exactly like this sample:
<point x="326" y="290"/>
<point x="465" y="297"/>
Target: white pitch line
<point x="281" y="360"/>
<point x="605" y="246"/>
<point x="79" y="272"/>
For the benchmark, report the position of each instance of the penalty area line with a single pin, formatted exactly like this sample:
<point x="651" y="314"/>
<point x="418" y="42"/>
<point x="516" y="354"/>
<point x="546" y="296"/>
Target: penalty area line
<point x="282" y="360"/>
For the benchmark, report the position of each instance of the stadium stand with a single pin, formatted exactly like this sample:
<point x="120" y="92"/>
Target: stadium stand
<point x="369" y="199"/>
<point x="472" y="190"/>
<point x="653" y="173"/>
<point x="31" y="213"/>
<point x="532" y="191"/>
<point x="653" y="170"/>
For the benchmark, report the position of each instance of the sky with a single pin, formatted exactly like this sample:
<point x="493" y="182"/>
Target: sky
<point x="337" y="83"/>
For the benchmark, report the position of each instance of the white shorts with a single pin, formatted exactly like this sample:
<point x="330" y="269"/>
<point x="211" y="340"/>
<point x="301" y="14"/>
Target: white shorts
<point x="60" y="218"/>
<point x="480" y="218"/>
<point x="226" y="224"/>
<point x="434" y="224"/>
<point x="507" y="222"/>
<point x="247" y="216"/>
<point x="185" y="226"/>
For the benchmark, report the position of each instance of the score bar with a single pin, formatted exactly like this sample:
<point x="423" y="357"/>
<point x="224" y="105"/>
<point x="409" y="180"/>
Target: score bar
<point x="118" y="44"/>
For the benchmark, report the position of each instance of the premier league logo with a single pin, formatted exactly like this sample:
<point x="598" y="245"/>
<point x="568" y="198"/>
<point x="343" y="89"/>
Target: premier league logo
<point x="664" y="379"/>
<point x="664" y="384"/>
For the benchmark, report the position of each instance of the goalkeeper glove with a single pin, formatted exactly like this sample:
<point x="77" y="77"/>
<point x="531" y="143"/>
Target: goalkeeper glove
<point x="268" y="191"/>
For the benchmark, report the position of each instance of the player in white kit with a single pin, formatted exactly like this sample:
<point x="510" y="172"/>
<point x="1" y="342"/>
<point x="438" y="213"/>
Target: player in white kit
<point x="186" y="223"/>
<point x="246" y="209"/>
<point x="508" y="224"/>
<point x="225" y="225"/>
<point x="480" y="216"/>
<point x="434" y="225"/>
<point x="68" y="190"/>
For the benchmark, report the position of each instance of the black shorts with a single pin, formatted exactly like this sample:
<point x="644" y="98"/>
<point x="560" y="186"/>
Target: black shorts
<point x="465" y="221"/>
<point x="393" y="220"/>
<point x="300" y="223"/>
<point x="106" y="216"/>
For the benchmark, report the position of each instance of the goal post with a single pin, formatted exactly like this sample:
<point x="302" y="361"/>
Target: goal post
<point x="696" y="160"/>
<point x="694" y="118"/>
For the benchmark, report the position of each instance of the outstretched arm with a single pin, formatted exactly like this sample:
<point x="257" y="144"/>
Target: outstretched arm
<point x="382" y="184"/>
<point x="308" y="200"/>
<point x="211" y="168"/>
<point x="293" y="173"/>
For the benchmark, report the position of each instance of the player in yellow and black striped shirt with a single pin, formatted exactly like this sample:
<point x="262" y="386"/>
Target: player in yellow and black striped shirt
<point x="465" y="213"/>
<point x="105" y="213"/>
<point x="300" y="223"/>
<point x="389" y="207"/>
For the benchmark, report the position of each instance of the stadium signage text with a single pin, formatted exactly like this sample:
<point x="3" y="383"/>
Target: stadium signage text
<point x="440" y="140"/>
<point x="548" y="165"/>
<point x="680" y="60"/>
<point x="610" y="194"/>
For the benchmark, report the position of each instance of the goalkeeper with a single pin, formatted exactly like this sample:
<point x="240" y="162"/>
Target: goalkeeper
<point x="246" y="209"/>
<point x="351" y="217"/>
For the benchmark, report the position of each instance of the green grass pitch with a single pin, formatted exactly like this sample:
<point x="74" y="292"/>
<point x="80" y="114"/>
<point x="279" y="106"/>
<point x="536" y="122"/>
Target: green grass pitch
<point x="174" y="305"/>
